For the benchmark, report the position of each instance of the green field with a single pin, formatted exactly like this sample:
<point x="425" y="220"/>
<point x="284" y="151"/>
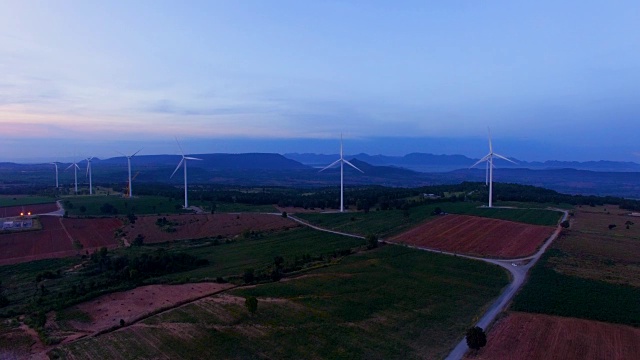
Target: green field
<point x="232" y="259"/>
<point x="393" y="302"/>
<point x="138" y="205"/>
<point x="225" y="260"/>
<point x="17" y="200"/>
<point x="527" y="216"/>
<point x="390" y="222"/>
<point x="551" y="292"/>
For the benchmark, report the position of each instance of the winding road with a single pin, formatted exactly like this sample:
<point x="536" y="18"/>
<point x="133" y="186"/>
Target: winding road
<point x="516" y="268"/>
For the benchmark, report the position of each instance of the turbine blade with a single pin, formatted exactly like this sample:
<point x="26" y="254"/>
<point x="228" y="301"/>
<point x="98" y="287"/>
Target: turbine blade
<point x="134" y="154"/>
<point x="485" y="158"/>
<point x="181" y="151"/>
<point x="333" y="163"/>
<point x="490" y="146"/>
<point x="177" y="167"/>
<point x="504" y="158"/>
<point x="70" y="166"/>
<point x="353" y="166"/>
<point x="191" y="158"/>
<point x="120" y="153"/>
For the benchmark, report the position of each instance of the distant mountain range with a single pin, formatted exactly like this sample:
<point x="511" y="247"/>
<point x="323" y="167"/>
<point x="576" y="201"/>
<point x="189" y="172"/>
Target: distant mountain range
<point x="443" y="163"/>
<point x="302" y="170"/>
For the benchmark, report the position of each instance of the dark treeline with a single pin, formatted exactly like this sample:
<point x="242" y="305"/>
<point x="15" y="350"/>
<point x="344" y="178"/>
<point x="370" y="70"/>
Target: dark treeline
<point x="360" y="197"/>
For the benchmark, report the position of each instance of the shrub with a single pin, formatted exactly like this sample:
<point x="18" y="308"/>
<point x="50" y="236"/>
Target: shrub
<point x="476" y="338"/>
<point x="252" y="304"/>
<point x="248" y="276"/>
<point x="372" y="241"/>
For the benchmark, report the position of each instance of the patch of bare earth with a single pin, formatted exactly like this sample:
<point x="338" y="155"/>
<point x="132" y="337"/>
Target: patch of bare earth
<point x="198" y="226"/>
<point x="477" y="236"/>
<point x="536" y="336"/>
<point x="106" y="311"/>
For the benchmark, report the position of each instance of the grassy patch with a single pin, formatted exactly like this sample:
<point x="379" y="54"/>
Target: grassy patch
<point x="392" y="302"/>
<point x="527" y="216"/>
<point x="550" y="292"/>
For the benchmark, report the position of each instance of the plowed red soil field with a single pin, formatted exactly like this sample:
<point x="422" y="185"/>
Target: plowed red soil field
<point x="205" y="225"/>
<point x="93" y="233"/>
<point x="536" y="336"/>
<point x="53" y="241"/>
<point x="477" y="236"/>
<point x="36" y="209"/>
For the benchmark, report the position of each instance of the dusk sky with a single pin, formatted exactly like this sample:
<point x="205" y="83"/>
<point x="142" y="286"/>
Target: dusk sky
<point x="553" y="80"/>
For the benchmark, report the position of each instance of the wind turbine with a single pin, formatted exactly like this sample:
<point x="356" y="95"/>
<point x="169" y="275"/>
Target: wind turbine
<point x="89" y="174"/>
<point x="129" y="168"/>
<point x="56" y="165"/>
<point x="183" y="161"/>
<point x="75" y="174"/>
<point x="489" y="159"/>
<point x="342" y="161"/>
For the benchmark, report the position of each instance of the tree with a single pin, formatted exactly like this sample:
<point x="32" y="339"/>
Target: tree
<point x="611" y="226"/>
<point x="565" y="224"/>
<point x="476" y="338"/>
<point x="252" y="304"/>
<point x="248" y="276"/>
<point x="284" y="214"/>
<point x="83" y="209"/>
<point x="138" y="241"/>
<point x="372" y="241"/>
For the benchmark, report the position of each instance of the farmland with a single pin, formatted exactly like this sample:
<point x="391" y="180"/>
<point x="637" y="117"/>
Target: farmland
<point x="58" y="238"/>
<point x="388" y="303"/>
<point x="226" y="258"/>
<point x="589" y="276"/>
<point x="10" y="211"/>
<point x="391" y="222"/>
<point x="588" y="265"/>
<point x="478" y="236"/>
<point x="188" y="226"/>
<point x="534" y="336"/>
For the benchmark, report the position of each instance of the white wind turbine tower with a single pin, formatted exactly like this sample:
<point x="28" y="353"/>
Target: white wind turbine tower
<point x="129" y="168"/>
<point x="183" y="161"/>
<point x="56" y="165"/>
<point x="489" y="159"/>
<point x="89" y="174"/>
<point x="342" y="161"/>
<point x="75" y="174"/>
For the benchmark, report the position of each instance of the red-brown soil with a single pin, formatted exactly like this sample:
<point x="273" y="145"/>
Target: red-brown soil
<point x="204" y="225"/>
<point x="56" y="240"/>
<point x="536" y="336"/>
<point x="93" y="233"/>
<point x="36" y="209"/>
<point x="106" y="311"/>
<point x="477" y="236"/>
